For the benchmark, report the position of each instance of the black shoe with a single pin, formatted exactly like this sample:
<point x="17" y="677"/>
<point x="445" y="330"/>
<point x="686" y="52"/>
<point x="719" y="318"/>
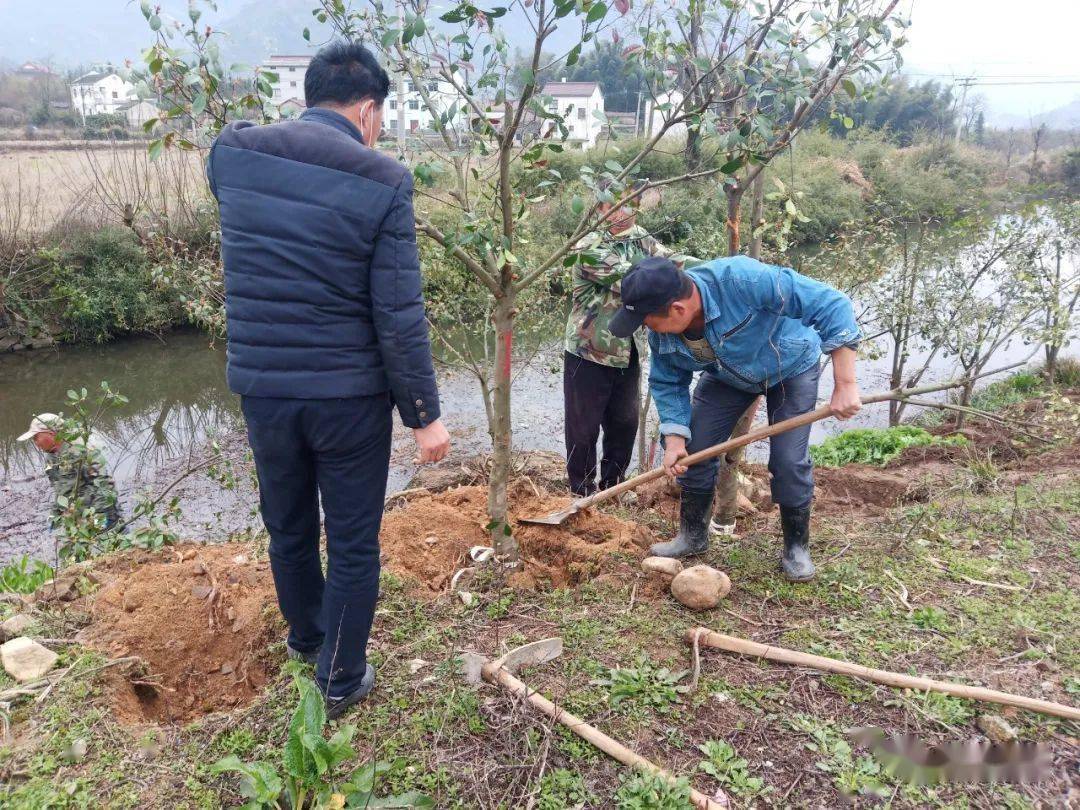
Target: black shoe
<point x="335" y="707"/>
<point x="795" y="562"/>
<point x="695" y="509"/>
<point x="311" y="658"/>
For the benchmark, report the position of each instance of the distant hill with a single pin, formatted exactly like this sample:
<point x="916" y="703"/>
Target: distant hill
<point x="72" y="33"/>
<point x="1065" y="117"/>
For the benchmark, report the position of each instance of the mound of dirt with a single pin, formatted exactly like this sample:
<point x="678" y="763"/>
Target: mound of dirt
<point x="863" y="487"/>
<point x="428" y="538"/>
<point x="198" y="618"/>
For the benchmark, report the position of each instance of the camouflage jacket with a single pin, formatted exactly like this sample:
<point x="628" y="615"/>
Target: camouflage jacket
<point x="78" y="473"/>
<point x="595" y="295"/>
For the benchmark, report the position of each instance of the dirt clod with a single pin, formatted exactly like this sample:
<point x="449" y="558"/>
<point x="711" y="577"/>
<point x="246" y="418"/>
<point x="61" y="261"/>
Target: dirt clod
<point x="586" y="545"/>
<point x="180" y="636"/>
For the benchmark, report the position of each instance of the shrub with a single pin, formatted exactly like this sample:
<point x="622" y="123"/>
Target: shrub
<point x="104" y="286"/>
<point x="648" y="791"/>
<point x="874" y="445"/>
<point x="1066" y="373"/>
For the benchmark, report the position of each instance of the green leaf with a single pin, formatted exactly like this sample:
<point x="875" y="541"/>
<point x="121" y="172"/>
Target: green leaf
<point x="155" y="22"/>
<point x="198" y="104"/>
<point x="732" y="166"/>
<point x="155" y="148"/>
<point x="389" y="37"/>
<point x="850" y="87"/>
<point x="572" y="57"/>
<point x="577" y="205"/>
<point x="596" y="13"/>
<point x="789" y="206"/>
<point x="849" y="122"/>
<point x="307" y="34"/>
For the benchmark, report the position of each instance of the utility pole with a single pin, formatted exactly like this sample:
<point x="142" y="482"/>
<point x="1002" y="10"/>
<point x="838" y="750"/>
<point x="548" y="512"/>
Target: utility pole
<point x="965" y="83"/>
<point x="401" y="92"/>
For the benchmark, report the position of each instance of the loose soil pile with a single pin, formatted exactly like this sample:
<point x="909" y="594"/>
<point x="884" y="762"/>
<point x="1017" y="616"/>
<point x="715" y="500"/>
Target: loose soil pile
<point x="199" y="618"/>
<point x="429" y="537"/>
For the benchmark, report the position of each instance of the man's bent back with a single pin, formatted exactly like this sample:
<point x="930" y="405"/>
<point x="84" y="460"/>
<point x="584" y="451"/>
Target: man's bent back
<point x="326" y="333"/>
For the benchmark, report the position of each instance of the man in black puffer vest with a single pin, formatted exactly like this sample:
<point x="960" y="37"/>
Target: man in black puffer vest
<point x="326" y="334"/>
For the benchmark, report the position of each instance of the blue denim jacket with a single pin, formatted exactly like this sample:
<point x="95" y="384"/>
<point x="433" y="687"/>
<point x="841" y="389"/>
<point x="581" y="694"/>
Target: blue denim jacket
<point x="764" y="323"/>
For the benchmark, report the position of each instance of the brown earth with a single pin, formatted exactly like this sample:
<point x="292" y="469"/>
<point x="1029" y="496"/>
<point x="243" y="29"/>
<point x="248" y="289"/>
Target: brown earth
<point x="198" y="617"/>
<point x="428" y="538"/>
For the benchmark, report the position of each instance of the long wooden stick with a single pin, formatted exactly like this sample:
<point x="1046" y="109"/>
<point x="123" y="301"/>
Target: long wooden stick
<point x="752" y="648"/>
<point x="501" y="676"/>
<point x="766" y="431"/>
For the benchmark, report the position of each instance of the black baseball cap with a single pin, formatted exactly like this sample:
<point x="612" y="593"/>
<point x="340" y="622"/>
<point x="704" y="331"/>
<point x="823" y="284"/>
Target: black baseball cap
<point x="649" y="287"/>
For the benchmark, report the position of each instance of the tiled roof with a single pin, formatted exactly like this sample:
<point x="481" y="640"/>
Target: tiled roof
<point x="575" y="89"/>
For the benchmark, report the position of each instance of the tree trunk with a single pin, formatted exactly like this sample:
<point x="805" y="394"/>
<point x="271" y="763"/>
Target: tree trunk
<point x="642" y="440"/>
<point x="727" y="478"/>
<point x="965" y="398"/>
<point x="727" y="489"/>
<point x="1052" y="350"/>
<point x="502" y="539"/>
<point x="756" y="218"/>
<point x="734" y="194"/>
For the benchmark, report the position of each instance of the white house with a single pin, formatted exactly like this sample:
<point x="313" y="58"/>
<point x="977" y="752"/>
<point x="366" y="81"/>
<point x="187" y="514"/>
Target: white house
<point x="138" y="112"/>
<point x="662" y="109"/>
<point x="290" y="70"/>
<point x="578" y="103"/>
<point x="288" y="95"/>
<point x="102" y="90"/>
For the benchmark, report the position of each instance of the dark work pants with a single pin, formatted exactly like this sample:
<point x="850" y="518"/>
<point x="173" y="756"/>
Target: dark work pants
<point x="717" y="407"/>
<point x="339" y="450"/>
<point x="596" y="397"/>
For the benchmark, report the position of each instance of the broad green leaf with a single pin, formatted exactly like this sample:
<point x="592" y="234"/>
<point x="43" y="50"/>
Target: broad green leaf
<point x="577" y="205"/>
<point x="732" y="166"/>
<point x="155" y="148"/>
<point x="596" y="13"/>
<point x="198" y="104"/>
<point x="155" y="22"/>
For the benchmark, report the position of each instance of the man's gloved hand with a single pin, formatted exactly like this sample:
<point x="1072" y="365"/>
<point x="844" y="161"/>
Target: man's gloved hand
<point x="432" y="442"/>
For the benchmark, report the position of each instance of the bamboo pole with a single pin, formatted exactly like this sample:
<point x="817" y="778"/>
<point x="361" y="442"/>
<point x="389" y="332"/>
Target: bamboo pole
<point x="753" y="648"/>
<point x="501" y="676"/>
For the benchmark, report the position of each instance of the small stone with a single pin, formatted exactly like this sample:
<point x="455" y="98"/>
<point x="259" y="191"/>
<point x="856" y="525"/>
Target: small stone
<point x="16" y="626"/>
<point x="700" y="587"/>
<point x="663" y="566"/>
<point x="197" y="569"/>
<point x="187" y="554"/>
<point x="431" y="540"/>
<point x="26" y="660"/>
<point x="416" y="665"/>
<point x="466" y="598"/>
<point x="226" y="669"/>
<point x="996" y="729"/>
<point x="200" y="591"/>
<point x="1046" y="686"/>
<point x="230" y="614"/>
<point x="240" y="559"/>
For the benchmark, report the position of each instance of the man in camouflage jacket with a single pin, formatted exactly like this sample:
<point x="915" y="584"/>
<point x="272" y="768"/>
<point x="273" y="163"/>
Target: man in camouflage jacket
<point x="601" y="373"/>
<point x="77" y="471"/>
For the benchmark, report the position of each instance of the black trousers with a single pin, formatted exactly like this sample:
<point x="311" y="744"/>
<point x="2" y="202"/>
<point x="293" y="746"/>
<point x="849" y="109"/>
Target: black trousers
<point x="598" y="397"/>
<point x="339" y="450"/>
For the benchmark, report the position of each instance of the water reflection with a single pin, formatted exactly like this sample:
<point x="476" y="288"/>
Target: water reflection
<point x="175" y="387"/>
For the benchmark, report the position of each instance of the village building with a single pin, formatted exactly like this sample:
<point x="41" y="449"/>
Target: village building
<point x="582" y="106"/>
<point x="101" y="91"/>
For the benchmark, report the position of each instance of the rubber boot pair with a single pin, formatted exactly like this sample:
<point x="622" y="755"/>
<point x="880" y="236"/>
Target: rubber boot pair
<point x="695" y="511"/>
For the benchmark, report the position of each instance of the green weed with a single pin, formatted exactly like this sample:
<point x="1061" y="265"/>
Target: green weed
<point x="561" y="788"/>
<point x="651" y="792"/>
<point x="874" y="445"/>
<point x="724" y="765"/>
<point x="644" y="685"/>
<point x="24" y="575"/>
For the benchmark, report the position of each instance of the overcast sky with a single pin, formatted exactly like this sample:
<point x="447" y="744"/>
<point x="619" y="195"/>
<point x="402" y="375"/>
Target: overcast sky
<point x="1000" y="38"/>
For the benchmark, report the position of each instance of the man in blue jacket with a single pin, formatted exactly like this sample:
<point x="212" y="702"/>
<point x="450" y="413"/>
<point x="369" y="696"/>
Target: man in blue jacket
<point x="751" y="328"/>
<point x="326" y="334"/>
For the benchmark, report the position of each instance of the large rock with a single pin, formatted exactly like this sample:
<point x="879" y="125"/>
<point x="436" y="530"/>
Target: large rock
<point x="700" y="587"/>
<point x="26" y="660"/>
<point x="667" y="567"/>
<point x="17" y="625"/>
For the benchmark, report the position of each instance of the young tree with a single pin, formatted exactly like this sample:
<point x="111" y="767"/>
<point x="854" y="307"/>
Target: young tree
<point x="1055" y="279"/>
<point x="981" y="302"/>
